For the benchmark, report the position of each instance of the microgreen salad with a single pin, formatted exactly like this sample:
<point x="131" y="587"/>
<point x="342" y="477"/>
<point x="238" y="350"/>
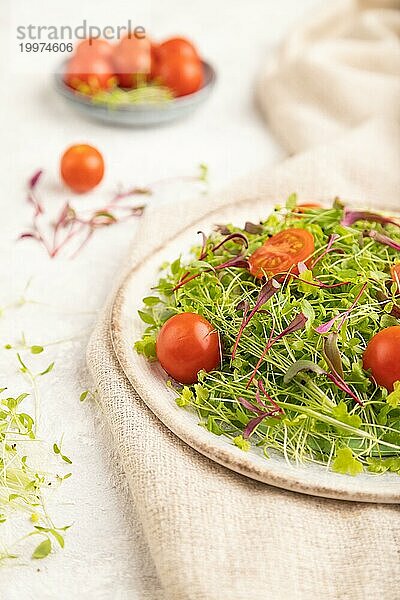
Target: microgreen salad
<point x="285" y="335"/>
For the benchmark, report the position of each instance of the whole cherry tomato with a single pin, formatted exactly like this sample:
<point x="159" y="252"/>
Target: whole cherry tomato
<point x="182" y="74"/>
<point x="132" y="57"/>
<point x="382" y="356"/>
<point x="91" y="72"/>
<point x="282" y="252"/>
<point x="186" y="344"/>
<point x="95" y="47"/>
<point x="82" y="168"/>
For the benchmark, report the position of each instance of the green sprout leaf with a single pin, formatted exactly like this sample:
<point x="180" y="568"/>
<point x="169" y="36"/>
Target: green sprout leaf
<point x="36" y="349"/>
<point x="340" y="412"/>
<point x="346" y="463"/>
<point x="42" y="550"/>
<point x="241" y="443"/>
<point x="291" y="202"/>
<point x="393" y="399"/>
<point x="48" y="369"/>
<point x="83" y="396"/>
<point x="146" y="317"/>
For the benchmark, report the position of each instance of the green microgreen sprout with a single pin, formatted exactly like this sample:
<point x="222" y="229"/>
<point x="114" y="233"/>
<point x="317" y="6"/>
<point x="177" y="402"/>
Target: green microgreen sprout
<point x="88" y="395"/>
<point x="320" y="420"/>
<point x="57" y="449"/>
<point x="23" y="487"/>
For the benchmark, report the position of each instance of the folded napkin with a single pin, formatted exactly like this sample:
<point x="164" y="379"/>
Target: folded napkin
<point x="212" y="534"/>
<point x="339" y="69"/>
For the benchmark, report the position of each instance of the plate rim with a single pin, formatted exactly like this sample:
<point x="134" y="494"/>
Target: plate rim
<point x="201" y="440"/>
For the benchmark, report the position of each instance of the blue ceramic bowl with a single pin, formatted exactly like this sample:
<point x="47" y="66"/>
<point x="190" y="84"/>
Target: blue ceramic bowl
<point x="137" y="115"/>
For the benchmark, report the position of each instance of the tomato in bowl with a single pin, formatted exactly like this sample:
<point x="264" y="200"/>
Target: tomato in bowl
<point x="139" y="83"/>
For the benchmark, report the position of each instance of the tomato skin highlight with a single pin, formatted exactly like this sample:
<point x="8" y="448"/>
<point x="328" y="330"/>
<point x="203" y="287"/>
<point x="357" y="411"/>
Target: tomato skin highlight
<point x="81" y="168"/>
<point x="382" y="357"/>
<point x="281" y="252"/>
<point x="186" y="344"/>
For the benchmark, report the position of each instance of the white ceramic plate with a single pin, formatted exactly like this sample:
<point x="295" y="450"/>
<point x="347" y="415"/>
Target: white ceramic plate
<point x="149" y="381"/>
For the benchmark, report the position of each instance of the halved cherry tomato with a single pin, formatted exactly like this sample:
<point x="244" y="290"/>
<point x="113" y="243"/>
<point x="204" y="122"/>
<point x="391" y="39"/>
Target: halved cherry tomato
<point x="132" y="57"/>
<point x="302" y="208"/>
<point x="395" y="273"/>
<point x="282" y="252"/>
<point x="93" y="72"/>
<point x="382" y="356"/>
<point x="82" y="167"/>
<point x="95" y="47"/>
<point x="186" y="344"/>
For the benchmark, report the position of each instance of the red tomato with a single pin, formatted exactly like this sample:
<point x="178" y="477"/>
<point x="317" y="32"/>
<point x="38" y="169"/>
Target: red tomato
<point x="95" y="47"/>
<point x="82" y="168"/>
<point x="281" y="252"/>
<point x="181" y="74"/>
<point x="154" y="55"/>
<point x="94" y="72"/>
<point x="132" y="57"/>
<point x="186" y="344"/>
<point x="395" y="273"/>
<point x="382" y="356"/>
<point x="177" y="46"/>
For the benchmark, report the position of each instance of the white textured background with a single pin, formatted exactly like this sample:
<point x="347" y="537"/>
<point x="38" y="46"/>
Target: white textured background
<point x="100" y="559"/>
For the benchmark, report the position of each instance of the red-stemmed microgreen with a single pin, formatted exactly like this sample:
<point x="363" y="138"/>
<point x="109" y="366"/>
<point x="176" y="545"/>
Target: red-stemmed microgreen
<point x="75" y="229"/>
<point x="332" y="355"/>
<point x="384" y="300"/>
<point x="326" y="327"/>
<point x="296" y="324"/>
<point x="235" y="237"/>
<point x="382" y="239"/>
<point x="266" y="292"/>
<point x="253" y="228"/>
<point x="238" y="262"/>
<point x="329" y="248"/>
<point x="352" y="216"/>
<point x="259" y="409"/>
<point x="307" y="365"/>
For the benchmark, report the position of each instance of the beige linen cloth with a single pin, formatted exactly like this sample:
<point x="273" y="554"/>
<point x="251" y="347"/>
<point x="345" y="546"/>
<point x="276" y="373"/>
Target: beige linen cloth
<point x="336" y="71"/>
<point x="212" y="534"/>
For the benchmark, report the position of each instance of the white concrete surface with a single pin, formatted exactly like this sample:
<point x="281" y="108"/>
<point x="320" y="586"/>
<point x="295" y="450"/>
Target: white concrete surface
<point x="103" y="548"/>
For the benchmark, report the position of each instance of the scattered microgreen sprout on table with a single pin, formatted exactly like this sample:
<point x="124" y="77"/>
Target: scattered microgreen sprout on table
<point x="73" y="229"/>
<point x="25" y="486"/>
